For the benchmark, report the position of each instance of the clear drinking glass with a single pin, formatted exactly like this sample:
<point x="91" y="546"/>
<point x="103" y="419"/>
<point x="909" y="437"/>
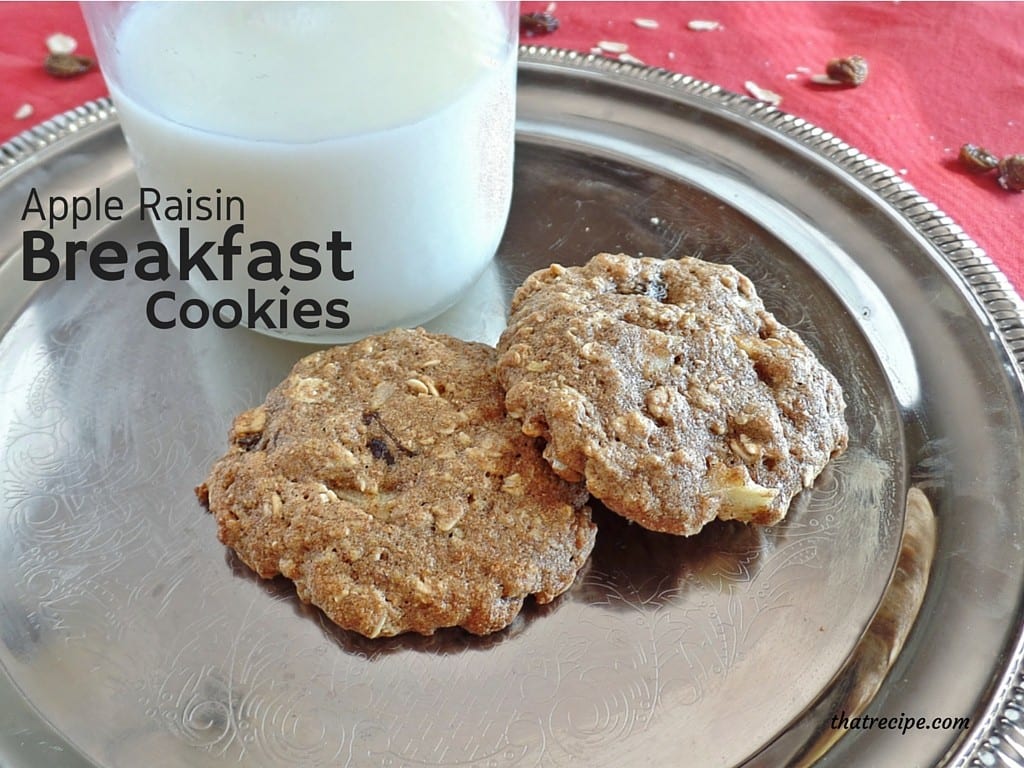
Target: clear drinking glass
<point x="368" y="144"/>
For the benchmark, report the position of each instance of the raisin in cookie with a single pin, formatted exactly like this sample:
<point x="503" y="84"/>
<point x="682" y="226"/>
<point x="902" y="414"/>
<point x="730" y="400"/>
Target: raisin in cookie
<point x="668" y="387"/>
<point x="386" y="480"/>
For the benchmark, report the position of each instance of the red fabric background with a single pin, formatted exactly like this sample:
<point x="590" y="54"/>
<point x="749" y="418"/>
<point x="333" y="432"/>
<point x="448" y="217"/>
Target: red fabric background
<point x="941" y="74"/>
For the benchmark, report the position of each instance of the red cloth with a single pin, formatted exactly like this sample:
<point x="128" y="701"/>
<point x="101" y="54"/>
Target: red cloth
<point x="941" y="74"/>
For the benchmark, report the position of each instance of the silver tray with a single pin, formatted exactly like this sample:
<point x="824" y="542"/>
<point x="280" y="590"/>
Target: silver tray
<point x="129" y="636"/>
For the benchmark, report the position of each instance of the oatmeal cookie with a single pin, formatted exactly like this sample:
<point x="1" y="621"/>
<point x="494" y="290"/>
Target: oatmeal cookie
<point x="385" y="479"/>
<point x="668" y="387"/>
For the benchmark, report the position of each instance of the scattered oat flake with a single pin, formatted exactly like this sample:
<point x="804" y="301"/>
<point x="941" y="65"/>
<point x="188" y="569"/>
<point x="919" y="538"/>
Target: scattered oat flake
<point x="803" y="70"/>
<point x="762" y="94"/>
<point x="792" y="75"/>
<point x="646" y="23"/>
<point x="24" y="112"/>
<point x="551" y="8"/>
<point x="611" y="46"/>
<point x="61" y="43"/>
<point x="628" y="58"/>
<point x="596" y="51"/>
<point x="821" y="79"/>
<point x="703" y="25"/>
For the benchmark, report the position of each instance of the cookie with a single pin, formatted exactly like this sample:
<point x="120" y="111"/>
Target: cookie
<point x="386" y="481"/>
<point x="668" y="388"/>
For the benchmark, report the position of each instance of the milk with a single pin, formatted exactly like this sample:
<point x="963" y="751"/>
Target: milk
<point x="391" y="122"/>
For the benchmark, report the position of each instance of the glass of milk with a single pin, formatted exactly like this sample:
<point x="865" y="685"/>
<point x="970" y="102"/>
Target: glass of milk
<point x="370" y="144"/>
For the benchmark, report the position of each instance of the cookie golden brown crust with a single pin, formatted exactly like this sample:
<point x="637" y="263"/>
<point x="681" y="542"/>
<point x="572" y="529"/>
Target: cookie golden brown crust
<point x="668" y="387"/>
<point x="385" y="479"/>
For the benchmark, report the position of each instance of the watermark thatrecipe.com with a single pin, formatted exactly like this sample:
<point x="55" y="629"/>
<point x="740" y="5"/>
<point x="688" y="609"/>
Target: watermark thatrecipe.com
<point x="902" y="723"/>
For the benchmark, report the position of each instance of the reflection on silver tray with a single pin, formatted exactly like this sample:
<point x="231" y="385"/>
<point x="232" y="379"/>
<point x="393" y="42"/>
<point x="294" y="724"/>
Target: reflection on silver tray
<point x="129" y="636"/>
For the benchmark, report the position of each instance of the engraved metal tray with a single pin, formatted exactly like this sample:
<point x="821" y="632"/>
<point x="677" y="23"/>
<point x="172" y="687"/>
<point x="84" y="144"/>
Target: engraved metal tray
<point x="129" y="636"/>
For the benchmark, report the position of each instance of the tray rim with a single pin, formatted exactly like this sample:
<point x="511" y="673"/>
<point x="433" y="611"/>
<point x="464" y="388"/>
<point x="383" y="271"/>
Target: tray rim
<point x="998" y="736"/>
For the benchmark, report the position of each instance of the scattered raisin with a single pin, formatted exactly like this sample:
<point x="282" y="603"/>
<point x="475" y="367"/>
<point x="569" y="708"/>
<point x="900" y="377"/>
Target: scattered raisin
<point x="538" y="23"/>
<point x="67" y="64"/>
<point x="977" y="159"/>
<point x="1011" y="173"/>
<point x="853" y="70"/>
